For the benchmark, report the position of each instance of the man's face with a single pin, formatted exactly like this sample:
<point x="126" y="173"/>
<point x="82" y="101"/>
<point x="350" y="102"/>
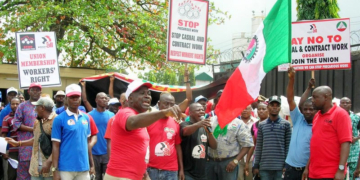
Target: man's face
<point x="34" y="93"/>
<point x="318" y="100"/>
<point x="140" y="99"/>
<point x="203" y="103"/>
<point x="123" y="100"/>
<point x="102" y="100"/>
<point x="246" y="113"/>
<point x="166" y="102"/>
<point x="74" y="101"/>
<point x="11" y="95"/>
<point x="39" y="111"/>
<point x="21" y="97"/>
<point x="14" y="104"/>
<point x="262" y="111"/>
<point x="114" y="108"/>
<point x="345" y="104"/>
<point x="196" y="112"/>
<point x="59" y="98"/>
<point x="308" y="111"/>
<point x="274" y="108"/>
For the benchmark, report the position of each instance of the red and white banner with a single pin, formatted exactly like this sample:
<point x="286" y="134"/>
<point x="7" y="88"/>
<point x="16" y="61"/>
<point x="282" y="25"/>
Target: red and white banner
<point x="37" y="59"/>
<point x="187" y="32"/>
<point x="320" y="45"/>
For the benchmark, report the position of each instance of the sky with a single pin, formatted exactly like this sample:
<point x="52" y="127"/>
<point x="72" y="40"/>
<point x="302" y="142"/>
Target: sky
<point x="241" y="11"/>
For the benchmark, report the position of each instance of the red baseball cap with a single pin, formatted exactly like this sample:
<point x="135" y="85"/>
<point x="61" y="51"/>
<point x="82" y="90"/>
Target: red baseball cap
<point x="35" y="85"/>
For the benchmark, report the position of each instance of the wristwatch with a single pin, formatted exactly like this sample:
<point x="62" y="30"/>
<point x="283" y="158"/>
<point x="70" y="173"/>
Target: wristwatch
<point x="236" y="161"/>
<point x="341" y="167"/>
<point x="53" y="169"/>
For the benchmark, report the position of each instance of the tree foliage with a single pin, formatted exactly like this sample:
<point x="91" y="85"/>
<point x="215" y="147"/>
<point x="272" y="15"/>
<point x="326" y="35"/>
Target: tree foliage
<point x="96" y="33"/>
<point x="169" y="77"/>
<point x="317" y="9"/>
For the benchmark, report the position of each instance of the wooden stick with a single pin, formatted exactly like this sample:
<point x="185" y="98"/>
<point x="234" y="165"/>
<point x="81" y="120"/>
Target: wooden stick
<point x="313" y="76"/>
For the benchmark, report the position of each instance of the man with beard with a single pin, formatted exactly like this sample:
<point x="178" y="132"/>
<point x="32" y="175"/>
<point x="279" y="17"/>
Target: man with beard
<point x="345" y="103"/>
<point x="71" y="128"/>
<point x="195" y="140"/>
<point x="25" y="117"/>
<point x="331" y="138"/>
<point x="272" y="144"/>
<point x="59" y="100"/>
<point x="101" y="117"/>
<point x="299" y="150"/>
<point x="129" y="138"/>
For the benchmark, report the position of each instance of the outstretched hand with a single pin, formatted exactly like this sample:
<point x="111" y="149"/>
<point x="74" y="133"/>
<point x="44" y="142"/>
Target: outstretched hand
<point x="291" y="72"/>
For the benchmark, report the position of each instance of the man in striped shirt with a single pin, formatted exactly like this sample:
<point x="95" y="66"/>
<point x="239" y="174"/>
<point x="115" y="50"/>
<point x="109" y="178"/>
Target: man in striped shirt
<point x="7" y="127"/>
<point x="272" y="143"/>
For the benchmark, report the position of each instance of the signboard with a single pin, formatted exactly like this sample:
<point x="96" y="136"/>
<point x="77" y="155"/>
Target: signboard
<point x="320" y="45"/>
<point x="187" y="32"/>
<point x="37" y="59"/>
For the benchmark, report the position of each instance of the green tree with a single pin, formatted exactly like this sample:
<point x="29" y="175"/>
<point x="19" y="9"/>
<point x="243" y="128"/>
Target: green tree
<point x="317" y="9"/>
<point x="96" y="34"/>
<point x="169" y="77"/>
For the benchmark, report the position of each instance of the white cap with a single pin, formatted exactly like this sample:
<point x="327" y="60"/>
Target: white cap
<point x="44" y="101"/>
<point x="114" y="101"/>
<point x="135" y="85"/>
<point x="11" y="89"/>
<point x="73" y="89"/>
<point x="59" y="93"/>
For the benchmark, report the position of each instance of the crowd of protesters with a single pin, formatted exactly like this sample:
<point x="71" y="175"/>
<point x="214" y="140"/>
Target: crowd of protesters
<point x="128" y="139"/>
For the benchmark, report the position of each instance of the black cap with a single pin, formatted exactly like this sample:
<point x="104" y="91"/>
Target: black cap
<point x="275" y="99"/>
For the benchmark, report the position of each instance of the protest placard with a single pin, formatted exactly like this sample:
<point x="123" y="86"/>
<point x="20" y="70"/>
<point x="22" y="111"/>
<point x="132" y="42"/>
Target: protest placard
<point x="37" y="59"/>
<point x="187" y="32"/>
<point x="320" y="45"/>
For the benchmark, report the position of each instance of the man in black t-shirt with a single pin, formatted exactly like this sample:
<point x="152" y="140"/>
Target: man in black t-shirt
<point x="195" y="139"/>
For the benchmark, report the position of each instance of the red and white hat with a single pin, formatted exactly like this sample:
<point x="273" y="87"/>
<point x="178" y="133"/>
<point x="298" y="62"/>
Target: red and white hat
<point x="135" y="85"/>
<point x="35" y="85"/>
<point x="73" y="89"/>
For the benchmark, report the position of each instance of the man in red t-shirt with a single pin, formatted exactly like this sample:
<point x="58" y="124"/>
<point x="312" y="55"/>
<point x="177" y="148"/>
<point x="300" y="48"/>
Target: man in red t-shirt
<point x="331" y="138"/>
<point x="165" y="149"/>
<point x="129" y="138"/>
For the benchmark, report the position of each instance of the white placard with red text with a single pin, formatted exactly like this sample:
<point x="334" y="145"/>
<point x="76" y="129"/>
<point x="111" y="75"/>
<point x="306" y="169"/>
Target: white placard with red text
<point x="37" y="59"/>
<point x="320" y="45"/>
<point x="187" y="32"/>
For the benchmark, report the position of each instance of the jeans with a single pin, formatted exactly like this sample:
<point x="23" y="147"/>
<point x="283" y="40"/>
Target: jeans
<point x="292" y="174"/>
<point x="157" y="174"/>
<point x="217" y="170"/>
<point x="100" y="162"/>
<point x="271" y="174"/>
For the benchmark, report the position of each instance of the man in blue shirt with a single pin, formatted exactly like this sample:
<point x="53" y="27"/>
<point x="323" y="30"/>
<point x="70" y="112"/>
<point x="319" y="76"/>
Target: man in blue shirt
<point x="10" y="93"/>
<point x="299" y="150"/>
<point x="70" y="136"/>
<point x="101" y="117"/>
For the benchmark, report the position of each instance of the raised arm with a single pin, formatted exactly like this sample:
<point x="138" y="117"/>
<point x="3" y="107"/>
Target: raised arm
<point x="305" y="95"/>
<point x="145" y="119"/>
<point x="188" y="86"/>
<point x="290" y="88"/>
<point x="111" y="86"/>
<point x="84" y="97"/>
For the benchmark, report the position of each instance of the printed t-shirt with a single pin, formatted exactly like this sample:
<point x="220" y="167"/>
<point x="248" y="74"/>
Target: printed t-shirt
<point x="164" y="135"/>
<point x="194" y="149"/>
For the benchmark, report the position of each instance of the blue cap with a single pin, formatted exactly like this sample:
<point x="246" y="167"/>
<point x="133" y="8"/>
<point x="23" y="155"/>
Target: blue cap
<point x="201" y="97"/>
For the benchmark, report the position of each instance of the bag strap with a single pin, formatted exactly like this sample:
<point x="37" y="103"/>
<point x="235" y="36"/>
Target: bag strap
<point x="41" y="127"/>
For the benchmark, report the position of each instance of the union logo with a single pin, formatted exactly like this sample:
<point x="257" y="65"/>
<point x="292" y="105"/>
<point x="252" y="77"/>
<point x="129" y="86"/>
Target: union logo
<point x="251" y="50"/>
